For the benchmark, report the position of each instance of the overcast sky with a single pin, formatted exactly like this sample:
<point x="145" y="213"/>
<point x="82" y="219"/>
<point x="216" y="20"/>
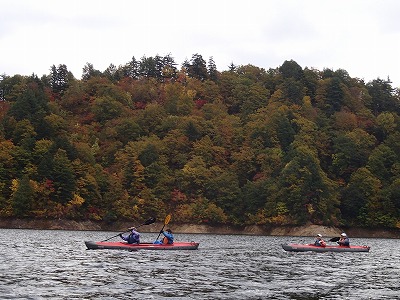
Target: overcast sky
<point x="359" y="36"/>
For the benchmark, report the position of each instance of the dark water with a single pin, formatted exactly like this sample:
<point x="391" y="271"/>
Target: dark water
<point x="40" y="264"/>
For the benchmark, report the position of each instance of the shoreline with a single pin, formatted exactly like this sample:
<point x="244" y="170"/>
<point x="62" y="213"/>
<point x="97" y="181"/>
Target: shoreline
<point x="305" y="230"/>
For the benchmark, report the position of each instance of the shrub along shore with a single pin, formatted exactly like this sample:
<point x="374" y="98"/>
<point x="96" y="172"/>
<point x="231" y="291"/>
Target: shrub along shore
<point x="306" y="230"/>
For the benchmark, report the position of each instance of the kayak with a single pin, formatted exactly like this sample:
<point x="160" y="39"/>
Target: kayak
<point x="142" y="246"/>
<point x="327" y="248"/>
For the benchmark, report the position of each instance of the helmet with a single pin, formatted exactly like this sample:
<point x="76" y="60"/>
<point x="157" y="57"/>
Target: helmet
<point x="319" y="235"/>
<point x="343" y="234"/>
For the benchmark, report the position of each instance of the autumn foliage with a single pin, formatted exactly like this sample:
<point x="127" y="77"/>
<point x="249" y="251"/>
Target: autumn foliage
<point x="243" y="146"/>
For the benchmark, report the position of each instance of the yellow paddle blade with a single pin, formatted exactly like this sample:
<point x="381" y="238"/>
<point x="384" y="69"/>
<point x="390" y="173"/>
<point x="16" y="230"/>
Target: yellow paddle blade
<point x="167" y="219"/>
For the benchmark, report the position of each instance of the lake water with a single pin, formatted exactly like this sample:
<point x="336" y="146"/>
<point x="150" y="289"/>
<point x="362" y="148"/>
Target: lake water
<point x="45" y="264"/>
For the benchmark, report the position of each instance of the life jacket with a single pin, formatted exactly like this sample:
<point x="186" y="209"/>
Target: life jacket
<point x="168" y="238"/>
<point x="133" y="238"/>
<point x="344" y="242"/>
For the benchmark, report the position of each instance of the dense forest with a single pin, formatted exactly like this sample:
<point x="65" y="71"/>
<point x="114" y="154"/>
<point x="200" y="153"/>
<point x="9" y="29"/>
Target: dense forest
<point x="284" y="146"/>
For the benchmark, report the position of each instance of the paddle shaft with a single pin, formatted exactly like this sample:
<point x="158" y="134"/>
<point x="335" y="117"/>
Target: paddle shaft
<point x="166" y="221"/>
<point x="160" y="232"/>
<point x="114" y="236"/>
<point x="149" y="221"/>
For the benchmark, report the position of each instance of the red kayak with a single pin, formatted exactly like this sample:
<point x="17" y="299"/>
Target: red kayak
<point x="327" y="248"/>
<point x="142" y="246"/>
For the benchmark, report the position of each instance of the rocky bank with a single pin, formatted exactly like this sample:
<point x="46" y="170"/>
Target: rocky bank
<point x="306" y="230"/>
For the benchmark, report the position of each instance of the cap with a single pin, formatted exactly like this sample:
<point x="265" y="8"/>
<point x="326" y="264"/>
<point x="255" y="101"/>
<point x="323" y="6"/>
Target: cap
<point x="319" y="235"/>
<point x="343" y="234"/>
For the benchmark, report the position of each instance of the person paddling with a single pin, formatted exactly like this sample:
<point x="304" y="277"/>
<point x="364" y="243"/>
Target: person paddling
<point x="133" y="237"/>
<point x="319" y="241"/>
<point x="344" y="240"/>
<point x="168" y="237"/>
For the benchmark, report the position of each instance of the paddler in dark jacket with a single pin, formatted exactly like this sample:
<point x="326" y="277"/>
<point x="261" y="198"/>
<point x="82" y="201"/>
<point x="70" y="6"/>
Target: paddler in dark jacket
<point x="133" y="237"/>
<point x="319" y="241"/>
<point x="168" y="237"/>
<point x="344" y="240"/>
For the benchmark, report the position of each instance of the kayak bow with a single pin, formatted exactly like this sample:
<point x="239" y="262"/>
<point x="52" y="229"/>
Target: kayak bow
<point x="142" y="246"/>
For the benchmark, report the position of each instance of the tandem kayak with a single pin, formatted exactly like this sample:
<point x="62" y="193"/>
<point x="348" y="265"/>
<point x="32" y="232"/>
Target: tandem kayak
<point x="327" y="248"/>
<point x="142" y="246"/>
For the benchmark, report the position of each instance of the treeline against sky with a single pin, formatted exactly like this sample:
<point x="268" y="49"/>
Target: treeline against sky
<point x="282" y="146"/>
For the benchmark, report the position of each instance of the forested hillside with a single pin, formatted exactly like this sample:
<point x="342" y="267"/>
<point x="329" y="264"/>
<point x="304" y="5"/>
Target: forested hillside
<point x="242" y="146"/>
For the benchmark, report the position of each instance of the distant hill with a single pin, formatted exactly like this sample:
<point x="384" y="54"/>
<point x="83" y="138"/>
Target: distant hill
<point x="246" y="146"/>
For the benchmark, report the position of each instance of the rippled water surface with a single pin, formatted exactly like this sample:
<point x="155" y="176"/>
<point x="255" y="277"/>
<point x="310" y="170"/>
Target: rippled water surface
<point x="41" y="264"/>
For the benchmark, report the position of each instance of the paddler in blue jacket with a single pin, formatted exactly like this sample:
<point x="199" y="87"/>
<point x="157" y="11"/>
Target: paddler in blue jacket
<point x="133" y="237"/>
<point x="168" y="237"/>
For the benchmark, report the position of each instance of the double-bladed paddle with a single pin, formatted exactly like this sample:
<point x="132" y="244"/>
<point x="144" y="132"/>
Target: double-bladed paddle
<point x="148" y="222"/>
<point x="166" y="221"/>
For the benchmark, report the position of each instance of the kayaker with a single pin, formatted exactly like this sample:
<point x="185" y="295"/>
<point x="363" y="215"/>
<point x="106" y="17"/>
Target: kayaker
<point x="319" y="241"/>
<point x="133" y="237"/>
<point x="344" y="240"/>
<point x="168" y="237"/>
